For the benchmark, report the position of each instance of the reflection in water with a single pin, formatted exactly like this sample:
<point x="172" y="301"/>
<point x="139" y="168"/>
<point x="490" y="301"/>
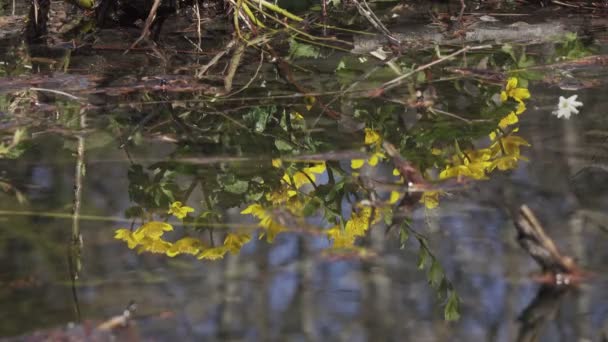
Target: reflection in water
<point x="305" y="228"/>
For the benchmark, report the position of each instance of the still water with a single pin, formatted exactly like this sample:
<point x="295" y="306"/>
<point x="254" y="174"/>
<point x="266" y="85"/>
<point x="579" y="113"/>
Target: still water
<point x="94" y="141"/>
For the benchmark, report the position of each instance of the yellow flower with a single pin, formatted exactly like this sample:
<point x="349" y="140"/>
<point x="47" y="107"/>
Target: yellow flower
<point x="234" y="242"/>
<point x="372" y="161"/>
<point x="148" y="244"/>
<point x="305" y="175"/>
<point x="394" y="197"/>
<point x="430" y="199"/>
<point x="271" y="227"/>
<point x="372" y="137"/>
<point x="213" y="253"/>
<point x="356" y="226"/>
<point x="187" y="245"/>
<point x="126" y="236"/>
<point x="147" y="237"/>
<point x="511" y="144"/>
<point x="277" y="163"/>
<point x="340" y="238"/>
<point x="178" y="210"/>
<point x="508" y="120"/>
<point x="511" y="91"/>
<point x="153" y="230"/>
<point x="505" y="163"/>
<point x="357" y="163"/>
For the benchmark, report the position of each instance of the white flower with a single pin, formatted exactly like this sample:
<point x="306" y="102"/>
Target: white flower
<point x="567" y="106"/>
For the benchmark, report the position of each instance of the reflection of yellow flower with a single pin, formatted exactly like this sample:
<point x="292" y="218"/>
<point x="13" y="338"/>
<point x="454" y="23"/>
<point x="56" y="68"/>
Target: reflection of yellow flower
<point x="430" y="199"/>
<point x="511" y="91"/>
<point x="126" y="236"/>
<point x="153" y="229"/>
<point x="510" y="119"/>
<point x="187" y="245"/>
<point x="213" y="253"/>
<point x="372" y="161"/>
<point x="148" y="244"/>
<point x="234" y="242"/>
<point x="305" y="176"/>
<point x="277" y="163"/>
<point x="372" y="137"/>
<point x="472" y="164"/>
<point x="394" y="197"/>
<point x="271" y="227"/>
<point x="147" y="237"/>
<point x="180" y="211"/>
<point x="356" y="226"/>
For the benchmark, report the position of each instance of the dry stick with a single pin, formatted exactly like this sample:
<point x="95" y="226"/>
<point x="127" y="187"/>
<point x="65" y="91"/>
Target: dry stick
<point x="215" y="59"/>
<point x="397" y="81"/>
<point x="198" y="25"/>
<point x="146" y="31"/>
<point x="255" y="75"/>
<point x="234" y="64"/>
<point x="367" y="12"/>
<point x="59" y="92"/>
<point x="462" y="7"/>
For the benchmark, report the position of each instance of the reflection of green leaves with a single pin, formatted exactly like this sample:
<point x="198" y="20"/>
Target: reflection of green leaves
<point x="231" y="184"/>
<point x="16" y="147"/>
<point x="571" y="47"/>
<point x="238" y="187"/>
<point x="258" y="117"/>
<point x="451" y="311"/>
<point x="152" y="191"/>
<point x="302" y="50"/>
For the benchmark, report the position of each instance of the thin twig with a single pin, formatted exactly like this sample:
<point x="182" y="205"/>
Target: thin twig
<point x="397" y="81"/>
<point x="73" y="97"/>
<point x="146" y="31"/>
<point x="255" y="75"/>
<point x="215" y="59"/>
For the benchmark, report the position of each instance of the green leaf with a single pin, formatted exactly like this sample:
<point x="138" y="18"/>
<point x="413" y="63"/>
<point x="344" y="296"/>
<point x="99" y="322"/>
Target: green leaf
<point x="238" y="187"/>
<point x="258" y="117"/>
<point x="435" y="274"/>
<point x="283" y="145"/>
<point x="451" y="308"/>
<point x="423" y="254"/>
<point x="301" y="50"/>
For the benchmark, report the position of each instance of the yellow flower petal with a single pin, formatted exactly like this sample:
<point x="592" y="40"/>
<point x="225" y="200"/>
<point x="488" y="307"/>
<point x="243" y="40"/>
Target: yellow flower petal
<point x="234" y="242"/>
<point x="357" y="163"/>
<point x="127" y="236"/>
<point x="152" y="229"/>
<point x="277" y="163"/>
<point x="430" y="199"/>
<point x="178" y="210"/>
<point x="508" y="120"/>
<point x="394" y="197"/>
<point x="371" y="137"/>
<point x="213" y="253"/>
<point x="187" y="245"/>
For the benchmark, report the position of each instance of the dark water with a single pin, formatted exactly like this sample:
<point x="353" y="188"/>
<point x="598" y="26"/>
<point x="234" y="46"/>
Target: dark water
<point x="214" y="154"/>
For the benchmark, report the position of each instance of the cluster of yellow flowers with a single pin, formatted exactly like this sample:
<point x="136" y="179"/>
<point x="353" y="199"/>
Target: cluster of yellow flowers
<point x="149" y="238"/>
<point x="519" y="95"/>
<point x="284" y="196"/>
<point x="355" y="227"/>
<point x="374" y="141"/>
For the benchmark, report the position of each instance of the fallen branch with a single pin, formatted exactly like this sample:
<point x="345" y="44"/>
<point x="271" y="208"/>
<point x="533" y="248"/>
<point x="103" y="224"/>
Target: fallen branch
<point x="557" y="268"/>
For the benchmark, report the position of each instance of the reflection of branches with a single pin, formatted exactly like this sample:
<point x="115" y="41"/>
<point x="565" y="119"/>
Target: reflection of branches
<point x="541" y="310"/>
<point x="75" y="245"/>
